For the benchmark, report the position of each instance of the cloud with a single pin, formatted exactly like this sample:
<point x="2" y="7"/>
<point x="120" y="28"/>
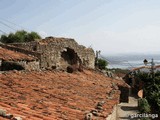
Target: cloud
<point x="136" y="40"/>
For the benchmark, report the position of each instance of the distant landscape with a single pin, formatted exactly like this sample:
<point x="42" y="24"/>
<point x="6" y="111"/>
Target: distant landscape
<point x="128" y="61"/>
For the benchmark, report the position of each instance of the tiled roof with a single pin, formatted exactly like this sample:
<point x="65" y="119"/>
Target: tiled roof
<point x="145" y="67"/>
<point x="50" y="95"/>
<point x="9" y="55"/>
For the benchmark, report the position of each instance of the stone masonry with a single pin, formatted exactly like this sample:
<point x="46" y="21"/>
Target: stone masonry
<point x="14" y="60"/>
<point x="59" y="53"/>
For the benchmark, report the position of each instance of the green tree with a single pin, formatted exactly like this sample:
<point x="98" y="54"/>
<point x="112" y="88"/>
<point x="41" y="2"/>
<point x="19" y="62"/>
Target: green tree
<point x="32" y="36"/>
<point x="4" y="39"/>
<point x="101" y="63"/>
<point x="151" y="89"/>
<point x="12" y="38"/>
<point x="20" y="36"/>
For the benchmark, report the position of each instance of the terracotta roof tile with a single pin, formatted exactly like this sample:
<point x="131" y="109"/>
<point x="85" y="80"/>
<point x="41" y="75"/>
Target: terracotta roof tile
<point x="9" y="55"/>
<point x="55" y="95"/>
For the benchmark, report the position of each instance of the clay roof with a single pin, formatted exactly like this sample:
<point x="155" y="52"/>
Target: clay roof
<point x="51" y="95"/>
<point x="9" y="55"/>
<point x="145" y="67"/>
<point x="157" y="66"/>
<point x="138" y="68"/>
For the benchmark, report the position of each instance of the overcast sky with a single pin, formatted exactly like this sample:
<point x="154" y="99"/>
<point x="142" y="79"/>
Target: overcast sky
<point x="112" y="26"/>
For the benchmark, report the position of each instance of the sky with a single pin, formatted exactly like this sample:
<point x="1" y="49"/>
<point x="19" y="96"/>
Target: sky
<point x="111" y="26"/>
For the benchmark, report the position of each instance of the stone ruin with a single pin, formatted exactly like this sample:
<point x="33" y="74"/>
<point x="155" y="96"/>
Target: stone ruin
<point x="56" y="53"/>
<point x="13" y="60"/>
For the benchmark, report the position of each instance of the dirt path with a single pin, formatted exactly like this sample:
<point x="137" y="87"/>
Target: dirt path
<point x="126" y="109"/>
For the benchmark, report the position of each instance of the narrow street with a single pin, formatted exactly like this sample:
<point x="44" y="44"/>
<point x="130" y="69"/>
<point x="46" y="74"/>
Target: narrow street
<point x="126" y="110"/>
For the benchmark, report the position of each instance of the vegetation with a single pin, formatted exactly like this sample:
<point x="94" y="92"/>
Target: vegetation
<point x="120" y="71"/>
<point x="151" y="91"/>
<point x="101" y="63"/>
<point x="20" y="36"/>
<point x="143" y="105"/>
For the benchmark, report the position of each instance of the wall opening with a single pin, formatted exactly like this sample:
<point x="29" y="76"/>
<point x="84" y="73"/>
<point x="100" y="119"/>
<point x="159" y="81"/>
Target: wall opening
<point x="70" y="60"/>
<point x="124" y="96"/>
<point x="70" y="56"/>
<point x="8" y="65"/>
<point x="34" y="48"/>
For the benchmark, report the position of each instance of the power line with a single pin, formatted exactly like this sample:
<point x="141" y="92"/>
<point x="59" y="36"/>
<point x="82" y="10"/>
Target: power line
<point x="13" y="23"/>
<point x="7" y="25"/>
<point x="129" y="63"/>
<point x="3" y="32"/>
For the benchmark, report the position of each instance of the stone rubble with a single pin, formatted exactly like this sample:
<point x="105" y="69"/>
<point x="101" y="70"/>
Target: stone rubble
<point x="9" y="116"/>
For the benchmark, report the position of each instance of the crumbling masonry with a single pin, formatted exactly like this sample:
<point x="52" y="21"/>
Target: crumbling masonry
<point x="57" y="53"/>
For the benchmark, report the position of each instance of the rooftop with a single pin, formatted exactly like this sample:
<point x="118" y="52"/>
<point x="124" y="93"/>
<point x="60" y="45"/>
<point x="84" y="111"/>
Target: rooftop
<point x="146" y="68"/>
<point x="9" y="55"/>
<point x="48" y="95"/>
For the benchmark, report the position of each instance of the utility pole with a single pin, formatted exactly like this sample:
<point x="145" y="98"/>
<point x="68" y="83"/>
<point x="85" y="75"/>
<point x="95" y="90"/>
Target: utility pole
<point x="152" y="68"/>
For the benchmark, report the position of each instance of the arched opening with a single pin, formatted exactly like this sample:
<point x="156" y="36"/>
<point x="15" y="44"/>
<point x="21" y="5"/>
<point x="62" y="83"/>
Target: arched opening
<point x="69" y="58"/>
